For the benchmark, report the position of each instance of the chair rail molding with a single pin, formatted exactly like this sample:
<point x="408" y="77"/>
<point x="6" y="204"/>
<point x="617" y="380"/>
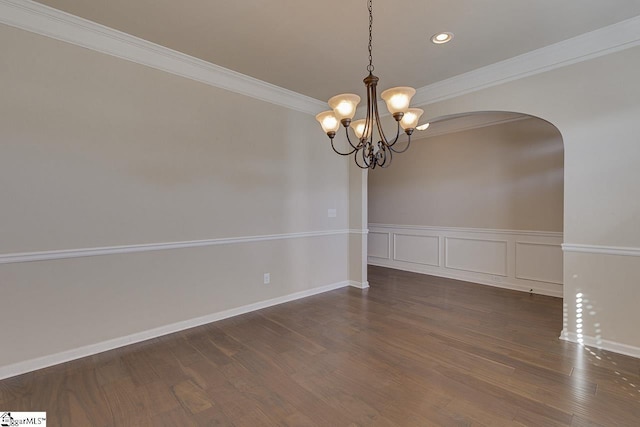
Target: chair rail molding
<point x="11" y="258"/>
<point x="599" y="249"/>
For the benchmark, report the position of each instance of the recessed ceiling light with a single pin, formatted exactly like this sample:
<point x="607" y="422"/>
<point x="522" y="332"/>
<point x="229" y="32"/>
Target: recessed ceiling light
<point x="442" y="38"/>
<point x="423" y="127"/>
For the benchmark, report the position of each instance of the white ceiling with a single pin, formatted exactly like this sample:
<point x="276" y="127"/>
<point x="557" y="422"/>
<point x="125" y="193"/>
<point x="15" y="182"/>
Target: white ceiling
<point x="320" y="48"/>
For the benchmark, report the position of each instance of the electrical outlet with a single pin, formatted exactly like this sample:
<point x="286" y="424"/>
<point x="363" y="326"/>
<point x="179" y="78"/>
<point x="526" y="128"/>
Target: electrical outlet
<point x="332" y="213"/>
<point x="267" y="278"/>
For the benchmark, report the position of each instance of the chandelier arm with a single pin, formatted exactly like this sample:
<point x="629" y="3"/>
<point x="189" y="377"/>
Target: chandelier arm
<point x="373" y="159"/>
<point x="374" y="96"/>
<point x="390" y="157"/>
<point x="368" y="132"/>
<point x="342" y="154"/>
<point x="397" y="136"/>
<point x="405" y="148"/>
<point x="385" y="158"/>
<point x="355" y="148"/>
<point x="355" y="158"/>
<point x="364" y="157"/>
<point x="381" y="156"/>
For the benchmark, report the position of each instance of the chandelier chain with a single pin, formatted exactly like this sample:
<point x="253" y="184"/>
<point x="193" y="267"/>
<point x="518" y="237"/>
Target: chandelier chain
<point x="370" y="66"/>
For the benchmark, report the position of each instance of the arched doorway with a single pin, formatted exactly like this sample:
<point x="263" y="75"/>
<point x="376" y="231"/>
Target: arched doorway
<point x="478" y="197"/>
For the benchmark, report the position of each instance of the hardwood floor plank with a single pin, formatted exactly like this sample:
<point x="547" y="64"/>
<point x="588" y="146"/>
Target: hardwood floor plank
<point x="86" y="398"/>
<point x="192" y="397"/>
<point x="412" y="350"/>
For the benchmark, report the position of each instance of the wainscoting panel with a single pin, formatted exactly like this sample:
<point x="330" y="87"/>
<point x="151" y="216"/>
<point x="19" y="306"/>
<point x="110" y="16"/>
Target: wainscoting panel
<point x="417" y="249"/>
<point x="529" y="261"/>
<point x="541" y="262"/>
<point x="476" y="255"/>
<point x="378" y="245"/>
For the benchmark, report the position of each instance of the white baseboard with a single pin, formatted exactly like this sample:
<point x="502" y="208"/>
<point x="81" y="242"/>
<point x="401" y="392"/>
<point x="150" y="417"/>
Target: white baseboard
<point x="612" y="346"/>
<point x="89" y="350"/>
<point x="478" y="280"/>
<point x="359" y="285"/>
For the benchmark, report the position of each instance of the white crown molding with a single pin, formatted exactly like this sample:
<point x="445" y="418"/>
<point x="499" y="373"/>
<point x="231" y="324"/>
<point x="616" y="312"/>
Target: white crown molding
<point x="112" y="250"/>
<point x="598" y="249"/>
<point x="478" y="125"/>
<point x="612" y="346"/>
<point x="603" y="41"/>
<point x="65" y="356"/>
<point x="46" y="21"/>
<point x="467" y="230"/>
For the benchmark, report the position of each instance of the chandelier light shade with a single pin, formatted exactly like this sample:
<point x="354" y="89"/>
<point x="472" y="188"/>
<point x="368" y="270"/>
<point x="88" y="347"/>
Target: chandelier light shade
<point x="330" y="124"/>
<point x="371" y="147"/>
<point x="344" y="105"/>
<point x="410" y="118"/>
<point x="398" y="98"/>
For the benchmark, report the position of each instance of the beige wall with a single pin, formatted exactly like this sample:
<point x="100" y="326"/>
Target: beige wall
<point x="97" y="151"/>
<point x="507" y="176"/>
<point x="52" y="307"/>
<point x="596" y="112"/>
<point x="610" y="288"/>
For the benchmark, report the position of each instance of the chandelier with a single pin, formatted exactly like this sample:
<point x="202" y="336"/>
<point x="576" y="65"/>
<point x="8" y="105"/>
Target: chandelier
<point x="370" y="153"/>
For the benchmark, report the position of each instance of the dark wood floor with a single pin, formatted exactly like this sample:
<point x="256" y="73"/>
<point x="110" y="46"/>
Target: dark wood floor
<point x="413" y="350"/>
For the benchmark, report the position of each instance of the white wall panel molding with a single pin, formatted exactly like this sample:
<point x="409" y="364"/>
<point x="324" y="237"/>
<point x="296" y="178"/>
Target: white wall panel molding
<point x="603" y="250"/>
<point x="379" y="244"/>
<point x="485" y="256"/>
<point x="541" y="262"/>
<point x="600" y="344"/>
<point x="54" y="359"/>
<point x="600" y="42"/>
<point x="46" y="21"/>
<point x="112" y="250"/>
<point x="417" y="249"/>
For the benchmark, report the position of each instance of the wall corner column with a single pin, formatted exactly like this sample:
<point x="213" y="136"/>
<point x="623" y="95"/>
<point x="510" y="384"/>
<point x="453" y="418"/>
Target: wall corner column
<point x="358" y="223"/>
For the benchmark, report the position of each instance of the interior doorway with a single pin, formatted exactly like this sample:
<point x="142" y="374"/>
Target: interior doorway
<point x="478" y="197"/>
